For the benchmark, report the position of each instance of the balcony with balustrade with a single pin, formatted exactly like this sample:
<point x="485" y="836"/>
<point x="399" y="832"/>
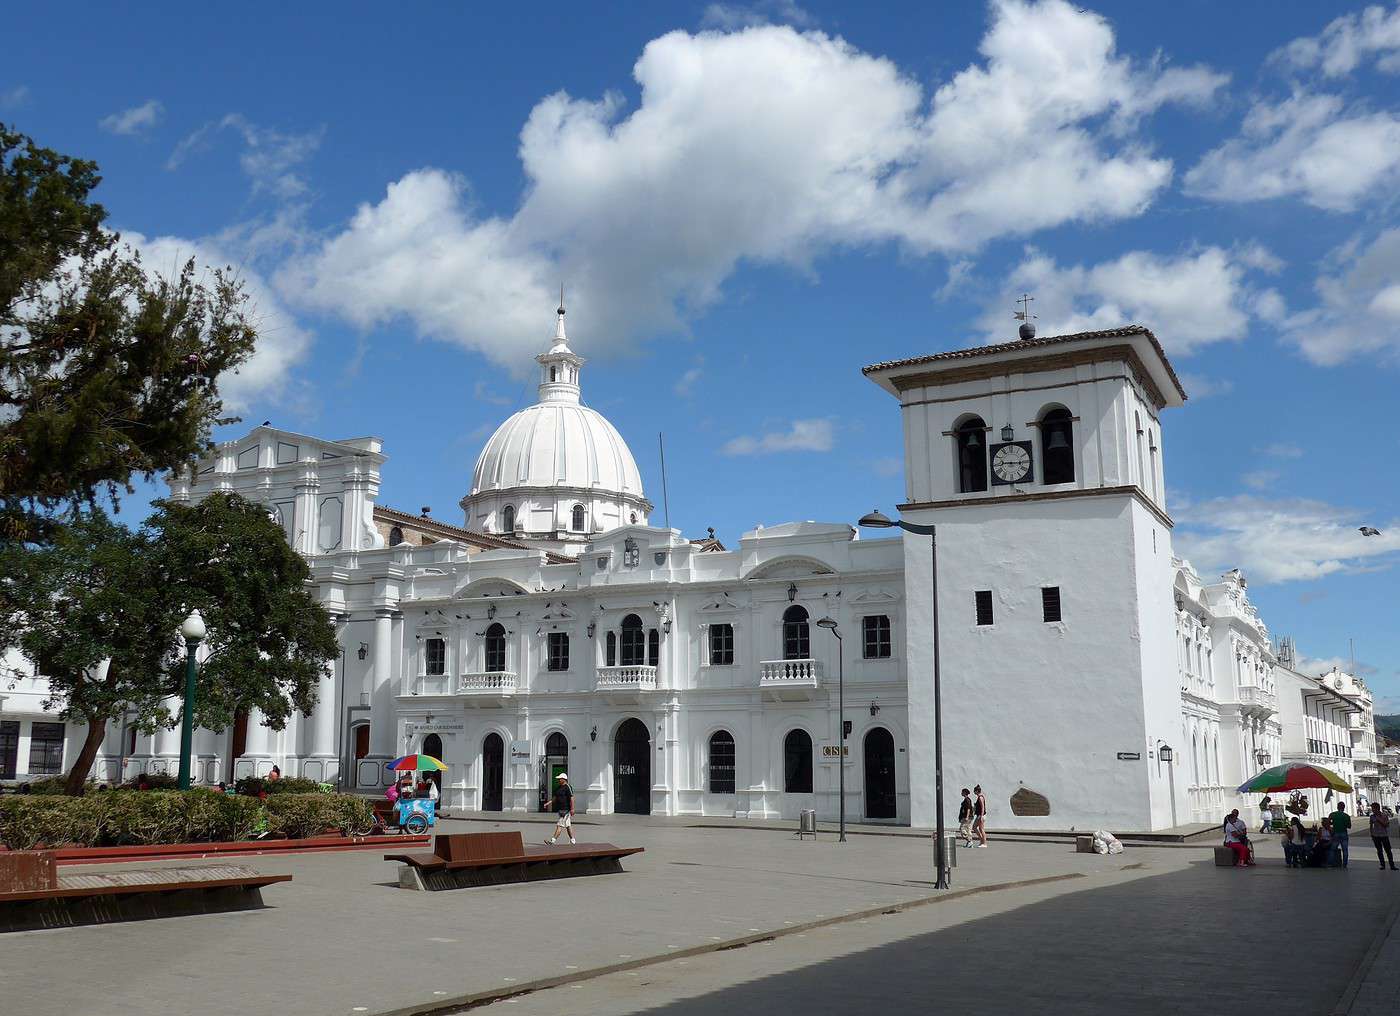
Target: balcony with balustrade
<point x="626" y="682"/>
<point x="487" y="688"/>
<point x="1257" y="701"/>
<point x="790" y="680"/>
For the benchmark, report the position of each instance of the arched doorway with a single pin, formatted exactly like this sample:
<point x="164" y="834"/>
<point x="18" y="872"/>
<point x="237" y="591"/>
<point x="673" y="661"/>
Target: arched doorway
<point x="493" y="772"/>
<point x="432" y="745"/>
<point x="880" y="798"/>
<point x="632" y="769"/>
<point x="555" y="762"/>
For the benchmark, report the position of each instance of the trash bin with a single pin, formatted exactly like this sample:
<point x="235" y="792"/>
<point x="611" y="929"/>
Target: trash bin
<point x="807" y="823"/>
<point x="950" y="849"/>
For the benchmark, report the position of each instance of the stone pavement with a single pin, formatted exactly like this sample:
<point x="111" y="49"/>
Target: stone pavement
<point x="1180" y="937"/>
<point x="1376" y="989"/>
<point x="341" y="937"/>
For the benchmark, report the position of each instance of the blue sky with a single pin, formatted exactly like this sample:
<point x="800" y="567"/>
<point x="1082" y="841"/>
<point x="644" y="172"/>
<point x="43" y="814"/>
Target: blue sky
<point x="748" y="203"/>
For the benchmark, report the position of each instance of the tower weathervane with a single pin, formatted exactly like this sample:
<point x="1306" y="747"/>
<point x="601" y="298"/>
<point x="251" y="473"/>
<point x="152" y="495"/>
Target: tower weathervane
<point x="561" y="298"/>
<point x="1024" y="315"/>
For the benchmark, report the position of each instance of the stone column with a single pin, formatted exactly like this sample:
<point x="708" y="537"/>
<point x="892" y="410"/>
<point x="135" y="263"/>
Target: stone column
<point x="165" y="749"/>
<point x="383" y="727"/>
<point x="256" y="759"/>
<point x="318" y="748"/>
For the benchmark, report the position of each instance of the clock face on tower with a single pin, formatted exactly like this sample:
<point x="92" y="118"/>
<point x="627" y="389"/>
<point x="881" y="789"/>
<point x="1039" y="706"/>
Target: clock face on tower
<point x="1011" y="463"/>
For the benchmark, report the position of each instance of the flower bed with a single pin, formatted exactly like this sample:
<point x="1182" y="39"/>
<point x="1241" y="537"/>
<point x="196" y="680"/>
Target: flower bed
<point x="131" y="818"/>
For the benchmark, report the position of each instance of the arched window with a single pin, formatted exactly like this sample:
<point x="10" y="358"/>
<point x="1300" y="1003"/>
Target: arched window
<point x="797" y="762"/>
<point x="395" y="536"/>
<point x="577" y="521"/>
<point x="1152" y="463"/>
<point x="508" y="519"/>
<point x="721" y="762"/>
<point x="556" y="745"/>
<point x="611" y="655"/>
<point x="972" y="455"/>
<point x="634" y="642"/>
<point x="496" y="648"/>
<point x="1057" y="446"/>
<point x="797" y="634"/>
<point x="1141" y="458"/>
<point x="653" y="648"/>
<point x="554" y="373"/>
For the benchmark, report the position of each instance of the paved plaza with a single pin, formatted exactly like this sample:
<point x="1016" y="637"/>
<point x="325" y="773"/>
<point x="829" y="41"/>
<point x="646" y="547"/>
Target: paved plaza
<point x="1154" y="930"/>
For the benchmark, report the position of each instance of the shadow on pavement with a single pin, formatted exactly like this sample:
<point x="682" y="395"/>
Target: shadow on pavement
<point x="1266" y="940"/>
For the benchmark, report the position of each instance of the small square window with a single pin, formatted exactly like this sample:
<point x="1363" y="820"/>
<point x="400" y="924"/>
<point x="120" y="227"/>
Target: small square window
<point x="1050" y="602"/>
<point x="984" y="606"/>
<point x="558" y="650"/>
<point x="721" y="645"/>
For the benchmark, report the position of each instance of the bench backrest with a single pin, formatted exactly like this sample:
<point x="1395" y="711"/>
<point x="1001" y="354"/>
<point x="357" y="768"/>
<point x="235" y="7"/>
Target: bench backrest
<point x="476" y="846"/>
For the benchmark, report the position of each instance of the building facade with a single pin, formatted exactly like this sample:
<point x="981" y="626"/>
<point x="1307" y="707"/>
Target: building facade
<point x="1089" y="678"/>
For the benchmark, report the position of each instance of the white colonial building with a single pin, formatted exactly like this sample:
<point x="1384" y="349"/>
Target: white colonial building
<point x="1089" y="678"/>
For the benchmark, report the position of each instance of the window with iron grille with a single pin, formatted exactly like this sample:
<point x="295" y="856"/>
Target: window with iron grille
<point x="797" y="635"/>
<point x="721" y="762"/>
<point x="46" y="749"/>
<point x="653" y="648"/>
<point x="721" y="645"/>
<point x="558" y="650"/>
<point x="9" y="748"/>
<point x="1050" y="602"/>
<point x="436" y="657"/>
<point x="984" y="606"/>
<point x="876" y="628"/>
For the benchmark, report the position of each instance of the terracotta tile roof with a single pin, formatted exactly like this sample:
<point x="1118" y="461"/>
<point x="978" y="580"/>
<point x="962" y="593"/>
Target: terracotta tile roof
<point x="1126" y="331"/>
<point x="448" y="531"/>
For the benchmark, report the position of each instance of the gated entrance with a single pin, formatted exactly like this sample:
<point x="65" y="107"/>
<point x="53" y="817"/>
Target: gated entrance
<point x="632" y="769"/>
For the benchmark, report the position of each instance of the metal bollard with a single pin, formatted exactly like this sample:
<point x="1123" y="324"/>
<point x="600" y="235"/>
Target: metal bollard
<point x="807" y="823"/>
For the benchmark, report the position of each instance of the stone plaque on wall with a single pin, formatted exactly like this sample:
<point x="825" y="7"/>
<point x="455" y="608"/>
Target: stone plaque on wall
<point x="1027" y="802"/>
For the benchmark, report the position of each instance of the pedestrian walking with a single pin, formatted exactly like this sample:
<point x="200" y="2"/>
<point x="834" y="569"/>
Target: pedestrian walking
<point x="1266" y="816"/>
<point x="1380" y="836"/>
<point x="965" y="819"/>
<point x="563" y="809"/>
<point x="979" y="816"/>
<point x="1341" y="834"/>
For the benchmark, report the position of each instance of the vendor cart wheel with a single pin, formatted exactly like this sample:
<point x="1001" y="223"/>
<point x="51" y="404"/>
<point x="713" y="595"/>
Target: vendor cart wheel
<point x="416" y="824"/>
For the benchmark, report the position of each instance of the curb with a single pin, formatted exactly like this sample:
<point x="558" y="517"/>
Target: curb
<point x="1363" y="969"/>
<point x="473" y="1000"/>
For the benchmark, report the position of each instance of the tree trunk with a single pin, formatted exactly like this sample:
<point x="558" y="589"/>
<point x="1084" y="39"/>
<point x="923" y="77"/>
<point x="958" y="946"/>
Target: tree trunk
<point x="77" y="776"/>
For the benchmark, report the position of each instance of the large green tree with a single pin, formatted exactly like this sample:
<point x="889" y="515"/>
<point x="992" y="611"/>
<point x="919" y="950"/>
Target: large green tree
<point x="102" y="606"/>
<point x="106" y="372"/>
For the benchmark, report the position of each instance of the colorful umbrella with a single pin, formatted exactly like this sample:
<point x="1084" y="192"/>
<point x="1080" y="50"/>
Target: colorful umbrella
<point x="1294" y="776"/>
<point x="417" y="764"/>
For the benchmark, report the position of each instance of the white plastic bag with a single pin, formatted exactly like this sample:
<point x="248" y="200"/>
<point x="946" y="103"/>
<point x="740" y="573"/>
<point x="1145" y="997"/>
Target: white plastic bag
<point x="1106" y="843"/>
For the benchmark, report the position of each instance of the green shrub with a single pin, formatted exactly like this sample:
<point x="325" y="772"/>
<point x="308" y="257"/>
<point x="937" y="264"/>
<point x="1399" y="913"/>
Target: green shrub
<point x="255" y="785"/>
<point x="48" y="785"/>
<point x="301" y="815"/>
<point x="126" y="818"/>
<point x="153" y="781"/>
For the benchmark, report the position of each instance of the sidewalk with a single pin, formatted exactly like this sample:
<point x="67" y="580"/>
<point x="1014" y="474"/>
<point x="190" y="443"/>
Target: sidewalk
<point x="1376" y="989"/>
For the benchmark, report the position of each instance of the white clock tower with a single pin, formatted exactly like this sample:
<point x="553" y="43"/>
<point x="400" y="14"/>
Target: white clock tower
<point x="1040" y="464"/>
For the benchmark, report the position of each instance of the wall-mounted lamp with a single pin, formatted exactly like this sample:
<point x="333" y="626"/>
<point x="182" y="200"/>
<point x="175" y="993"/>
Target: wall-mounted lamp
<point x="592" y="627"/>
<point x="792" y="591"/>
<point x="1165" y="753"/>
<point x="874" y="709"/>
<point x="364" y="650"/>
<point x="490" y="611"/>
<point x="593" y="734"/>
<point x="666" y="625"/>
<point x="1262" y="757"/>
<point x="1007" y="434"/>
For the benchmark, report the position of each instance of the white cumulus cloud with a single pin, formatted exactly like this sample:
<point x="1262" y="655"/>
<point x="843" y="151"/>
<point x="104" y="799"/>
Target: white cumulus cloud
<point x="271" y="158"/>
<point x="801" y="436"/>
<point x="1358" y="306"/>
<point x="1283" y="540"/>
<point x="1346" y="43"/>
<point x="136" y="120"/>
<point x="765" y="144"/>
<point x="1189" y="300"/>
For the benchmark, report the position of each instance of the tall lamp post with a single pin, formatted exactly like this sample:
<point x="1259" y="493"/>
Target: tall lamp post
<point x="829" y="623"/>
<point x="877" y="520"/>
<point x="194" y="631"/>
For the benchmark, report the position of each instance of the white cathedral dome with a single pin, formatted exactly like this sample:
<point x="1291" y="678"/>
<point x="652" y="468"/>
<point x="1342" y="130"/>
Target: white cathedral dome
<point x="558" y="469"/>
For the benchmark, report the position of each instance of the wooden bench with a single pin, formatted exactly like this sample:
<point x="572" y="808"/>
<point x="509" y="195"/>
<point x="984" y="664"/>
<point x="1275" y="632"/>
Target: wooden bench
<point x="34" y="894"/>
<point x="459" y="860"/>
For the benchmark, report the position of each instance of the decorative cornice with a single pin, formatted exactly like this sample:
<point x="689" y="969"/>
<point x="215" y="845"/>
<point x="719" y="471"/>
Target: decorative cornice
<point x="1131" y="490"/>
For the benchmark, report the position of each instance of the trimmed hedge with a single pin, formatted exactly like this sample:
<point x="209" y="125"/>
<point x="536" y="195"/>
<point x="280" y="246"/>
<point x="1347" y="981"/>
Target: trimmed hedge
<point x="131" y="818"/>
<point x="255" y="785"/>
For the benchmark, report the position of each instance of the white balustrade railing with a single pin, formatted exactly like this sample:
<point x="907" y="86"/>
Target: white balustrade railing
<point x="494" y="682"/>
<point x="1259" y="699"/>
<point x="630" y="678"/>
<point x="789" y="672"/>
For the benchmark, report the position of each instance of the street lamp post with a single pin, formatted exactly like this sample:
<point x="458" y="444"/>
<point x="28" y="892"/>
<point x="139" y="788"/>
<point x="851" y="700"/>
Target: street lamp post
<point x="877" y="520"/>
<point x="194" y="631"/>
<point x="829" y="623"/>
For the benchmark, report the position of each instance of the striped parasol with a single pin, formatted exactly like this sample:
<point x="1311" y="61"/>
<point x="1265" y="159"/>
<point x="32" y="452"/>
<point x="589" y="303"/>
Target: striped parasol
<point x="1294" y="776"/>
